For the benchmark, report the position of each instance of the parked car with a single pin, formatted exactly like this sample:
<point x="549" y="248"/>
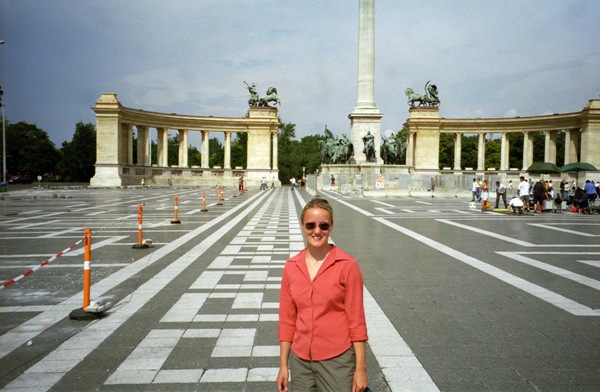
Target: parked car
<point x="20" y="180"/>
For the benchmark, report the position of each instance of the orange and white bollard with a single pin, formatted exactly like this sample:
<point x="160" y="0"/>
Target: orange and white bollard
<point x="175" y="219"/>
<point x="140" y="244"/>
<point x="87" y="267"/>
<point x="88" y="311"/>
<point x="219" y="199"/>
<point x="204" y="209"/>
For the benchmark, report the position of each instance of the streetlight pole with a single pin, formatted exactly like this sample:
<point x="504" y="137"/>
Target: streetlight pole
<point x="3" y="133"/>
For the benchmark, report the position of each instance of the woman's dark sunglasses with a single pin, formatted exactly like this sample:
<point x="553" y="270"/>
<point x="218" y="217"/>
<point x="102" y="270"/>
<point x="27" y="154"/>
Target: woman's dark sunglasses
<point x="323" y="226"/>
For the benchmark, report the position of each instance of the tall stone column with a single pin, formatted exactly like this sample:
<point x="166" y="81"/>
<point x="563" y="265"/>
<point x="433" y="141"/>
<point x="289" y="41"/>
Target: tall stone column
<point x="275" y="151"/>
<point x="550" y="147"/>
<point x="527" y="149"/>
<point x="505" y="152"/>
<point x="481" y="152"/>
<point x="142" y="145"/>
<point x="590" y="133"/>
<point x="571" y="142"/>
<point x="366" y="116"/>
<point x="162" y="147"/>
<point x="227" y="151"/>
<point x="457" y="151"/>
<point x="183" y="148"/>
<point x="204" y="152"/>
<point x="126" y="144"/>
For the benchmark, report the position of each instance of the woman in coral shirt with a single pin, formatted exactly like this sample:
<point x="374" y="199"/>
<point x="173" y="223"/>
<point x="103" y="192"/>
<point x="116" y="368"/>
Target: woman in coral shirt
<point x="322" y="328"/>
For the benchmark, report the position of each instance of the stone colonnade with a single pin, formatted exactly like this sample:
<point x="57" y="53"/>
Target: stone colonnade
<point x="114" y="146"/>
<point x="425" y="126"/>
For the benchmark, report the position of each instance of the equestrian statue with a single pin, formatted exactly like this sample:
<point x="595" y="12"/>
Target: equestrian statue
<point x="255" y="100"/>
<point x="430" y="98"/>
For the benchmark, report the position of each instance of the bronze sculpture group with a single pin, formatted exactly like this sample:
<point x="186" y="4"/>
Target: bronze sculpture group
<point x="256" y="100"/>
<point x="341" y="150"/>
<point x="430" y="98"/>
<point x="335" y="151"/>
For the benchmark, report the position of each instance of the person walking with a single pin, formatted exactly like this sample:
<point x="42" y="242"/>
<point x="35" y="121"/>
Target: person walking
<point x="500" y="193"/>
<point x="510" y="188"/>
<point x="485" y="195"/>
<point x="322" y="329"/>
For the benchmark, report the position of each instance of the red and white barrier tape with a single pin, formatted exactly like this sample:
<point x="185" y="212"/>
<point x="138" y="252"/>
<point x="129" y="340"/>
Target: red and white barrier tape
<point x="32" y="270"/>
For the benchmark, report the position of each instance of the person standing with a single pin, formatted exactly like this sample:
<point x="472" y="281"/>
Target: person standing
<point x="322" y="329"/>
<point x="539" y="190"/>
<point x="510" y="188"/>
<point x="474" y="190"/>
<point x="523" y="192"/>
<point x="485" y="195"/>
<point x="500" y="193"/>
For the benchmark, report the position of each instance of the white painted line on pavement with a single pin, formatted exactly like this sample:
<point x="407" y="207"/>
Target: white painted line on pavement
<point x="584" y="280"/>
<point x="555" y="299"/>
<point x="550" y="227"/>
<point x="488" y="233"/>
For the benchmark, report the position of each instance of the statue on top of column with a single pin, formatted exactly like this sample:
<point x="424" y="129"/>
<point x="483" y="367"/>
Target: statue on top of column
<point x="255" y="100"/>
<point x="430" y="98"/>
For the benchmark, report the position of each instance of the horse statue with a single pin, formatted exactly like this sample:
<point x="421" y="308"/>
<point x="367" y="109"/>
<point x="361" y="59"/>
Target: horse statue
<point x="343" y="150"/>
<point x="389" y="152"/>
<point x="326" y="153"/>
<point x="430" y="98"/>
<point x="270" y="97"/>
<point x="255" y="100"/>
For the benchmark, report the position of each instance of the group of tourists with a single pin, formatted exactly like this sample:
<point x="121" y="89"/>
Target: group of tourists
<point x="532" y="195"/>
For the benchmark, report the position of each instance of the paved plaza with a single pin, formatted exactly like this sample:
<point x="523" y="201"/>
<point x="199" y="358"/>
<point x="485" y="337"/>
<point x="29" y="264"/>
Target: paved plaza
<point x="456" y="299"/>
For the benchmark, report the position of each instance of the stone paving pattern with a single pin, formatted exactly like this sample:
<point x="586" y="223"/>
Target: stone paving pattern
<point x="456" y="299"/>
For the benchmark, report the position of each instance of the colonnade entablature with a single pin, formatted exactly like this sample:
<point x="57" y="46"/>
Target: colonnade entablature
<point x="582" y="136"/>
<point x="115" y="164"/>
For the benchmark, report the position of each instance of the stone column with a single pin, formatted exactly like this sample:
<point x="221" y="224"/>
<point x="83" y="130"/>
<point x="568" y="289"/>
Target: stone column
<point x="550" y="147"/>
<point x="126" y="144"/>
<point x="571" y="142"/>
<point x="275" y="151"/>
<point x="162" y="148"/>
<point x="505" y="152"/>
<point x="590" y="133"/>
<point x="142" y="145"/>
<point x="227" y="151"/>
<point x="204" y="148"/>
<point x="410" y="149"/>
<point x="481" y="152"/>
<point x="457" y="151"/>
<point x="527" y="149"/>
<point x="365" y="117"/>
<point x="183" y="148"/>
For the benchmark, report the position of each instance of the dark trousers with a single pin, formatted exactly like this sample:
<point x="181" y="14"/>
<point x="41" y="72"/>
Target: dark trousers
<point x="331" y="375"/>
<point x="503" y="196"/>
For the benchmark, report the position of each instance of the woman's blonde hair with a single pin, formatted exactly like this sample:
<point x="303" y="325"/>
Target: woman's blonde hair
<point x="317" y="202"/>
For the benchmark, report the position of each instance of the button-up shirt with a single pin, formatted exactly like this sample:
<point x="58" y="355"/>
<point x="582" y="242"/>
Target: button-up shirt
<point x="324" y="316"/>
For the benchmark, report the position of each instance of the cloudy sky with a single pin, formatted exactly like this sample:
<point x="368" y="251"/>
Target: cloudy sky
<point x="492" y="58"/>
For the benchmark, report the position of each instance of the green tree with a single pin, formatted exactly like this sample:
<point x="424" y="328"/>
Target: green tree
<point x="492" y="153"/>
<point x="29" y="150"/>
<point x="289" y="164"/>
<point x="469" y="151"/>
<point x="239" y="146"/>
<point x="77" y="157"/>
<point x="446" y="150"/>
<point x="216" y="151"/>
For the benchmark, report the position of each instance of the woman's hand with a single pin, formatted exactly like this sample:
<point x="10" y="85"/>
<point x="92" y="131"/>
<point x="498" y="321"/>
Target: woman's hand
<point x="360" y="381"/>
<point x="282" y="379"/>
